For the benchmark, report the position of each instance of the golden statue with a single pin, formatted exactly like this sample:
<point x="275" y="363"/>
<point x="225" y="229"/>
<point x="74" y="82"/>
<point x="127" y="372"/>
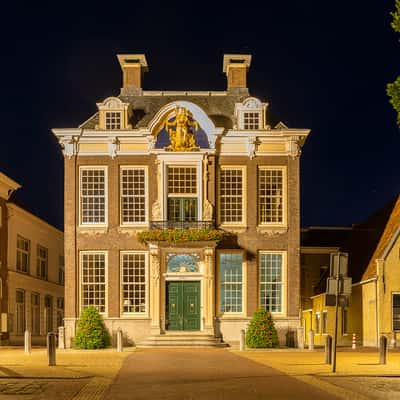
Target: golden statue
<point x="182" y="138"/>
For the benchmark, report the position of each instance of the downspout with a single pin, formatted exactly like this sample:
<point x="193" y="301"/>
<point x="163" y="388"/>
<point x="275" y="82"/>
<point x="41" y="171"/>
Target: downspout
<point x="76" y="202"/>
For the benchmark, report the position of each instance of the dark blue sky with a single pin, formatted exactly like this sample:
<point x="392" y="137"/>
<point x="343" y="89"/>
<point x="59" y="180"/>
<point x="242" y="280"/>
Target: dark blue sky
<point x="320" y="65"/>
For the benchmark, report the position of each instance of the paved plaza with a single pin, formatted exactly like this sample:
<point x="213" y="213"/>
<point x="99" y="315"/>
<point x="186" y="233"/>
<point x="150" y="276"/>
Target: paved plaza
<point x="191" y="374"/>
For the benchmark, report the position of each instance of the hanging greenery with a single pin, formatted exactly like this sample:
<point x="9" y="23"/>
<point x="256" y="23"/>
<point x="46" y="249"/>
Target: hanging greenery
<point x="179" y="235"/>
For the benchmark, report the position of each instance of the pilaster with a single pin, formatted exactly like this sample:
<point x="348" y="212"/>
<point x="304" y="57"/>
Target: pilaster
<point x="155" y="289"/>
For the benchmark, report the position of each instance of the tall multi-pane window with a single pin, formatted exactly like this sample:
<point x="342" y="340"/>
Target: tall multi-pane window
<point x="271" y="281"/>
<point x="270" y="195"/>
<point x="317" y="322"/>
<point x="113" y="120"/>
<point x="344" y="321"/>
<point x="61" y="271"/>
<point x="231" y="195"/>
<point x="93" y="195"/>
<point x="231" y="282"/>
<point x="251" y="120"/>
<point x="324" y="324"/>
<point x="93" y="281"/>
<point x="35" y="314"/>
<point x="48" y="313"/>
<point x="23" y="254"/>
<point x="60" y="311"/>
<point x="133" y="195"/>
<point x="41" y="262"/>
<point x="396" y="311"/>
<point x="182" y="193"/>
<point x="19" y="311"/>
<point x="133" y="282"/>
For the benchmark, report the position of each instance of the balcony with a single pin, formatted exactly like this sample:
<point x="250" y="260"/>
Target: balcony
<point x="163" y="225"/>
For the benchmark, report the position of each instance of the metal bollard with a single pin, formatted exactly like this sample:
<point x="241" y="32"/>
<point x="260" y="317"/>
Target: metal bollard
<point x="119" y="341"/>
<point x="61" y="337"/>
<point x="328" y="349"/>
<point x="28" y="342"/>
<point x="311" y="340"/>
<point x="383" y="342"/>
<point x="51" y="348"/>
<point x="242" y="340"/>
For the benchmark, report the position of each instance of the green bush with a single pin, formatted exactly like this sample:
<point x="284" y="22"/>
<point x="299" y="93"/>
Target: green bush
<point x="91" y="332"/>
<point x="261" y="332"/>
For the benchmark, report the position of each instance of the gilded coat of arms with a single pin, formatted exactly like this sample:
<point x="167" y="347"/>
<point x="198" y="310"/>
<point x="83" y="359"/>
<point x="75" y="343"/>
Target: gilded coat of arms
<point x="180" y="131"/>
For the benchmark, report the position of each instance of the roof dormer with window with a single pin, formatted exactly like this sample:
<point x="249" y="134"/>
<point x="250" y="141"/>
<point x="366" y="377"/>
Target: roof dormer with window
<point x="113" y="114"/>
<point x="250" y="115"/>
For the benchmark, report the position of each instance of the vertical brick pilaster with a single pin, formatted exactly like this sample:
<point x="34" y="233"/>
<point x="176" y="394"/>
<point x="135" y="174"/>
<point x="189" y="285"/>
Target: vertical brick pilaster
<point x="113" y="286"/>
<point x="71" y="197"/>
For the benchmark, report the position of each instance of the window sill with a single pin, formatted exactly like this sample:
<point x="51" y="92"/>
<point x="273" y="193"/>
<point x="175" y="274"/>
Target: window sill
<point x="271" y="230"/>
<point x="233" y="228"/>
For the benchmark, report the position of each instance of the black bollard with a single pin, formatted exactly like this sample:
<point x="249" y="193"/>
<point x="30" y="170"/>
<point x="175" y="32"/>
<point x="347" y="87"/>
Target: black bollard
<point x="383" y="343"/>
<point x="328" y="349"/>
<point x="51" y="348"/>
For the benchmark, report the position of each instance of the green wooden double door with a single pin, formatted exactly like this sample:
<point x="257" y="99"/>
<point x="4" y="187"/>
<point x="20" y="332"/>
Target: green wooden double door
<point x="183" y="306"/>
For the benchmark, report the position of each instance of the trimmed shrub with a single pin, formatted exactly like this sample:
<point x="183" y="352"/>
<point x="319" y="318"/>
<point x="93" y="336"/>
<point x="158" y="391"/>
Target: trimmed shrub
<point x="91" y="332"/>
<point x="261" y="332"/>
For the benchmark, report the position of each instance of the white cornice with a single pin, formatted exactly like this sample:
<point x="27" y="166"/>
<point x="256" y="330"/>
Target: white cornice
<point x="7" y="186"/>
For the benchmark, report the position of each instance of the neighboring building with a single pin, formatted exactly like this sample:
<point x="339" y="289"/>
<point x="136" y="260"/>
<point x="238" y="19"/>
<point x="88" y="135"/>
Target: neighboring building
<point x="373" y="308"/>
<point x="182" y="162"/>
<point x="32" y="272"/>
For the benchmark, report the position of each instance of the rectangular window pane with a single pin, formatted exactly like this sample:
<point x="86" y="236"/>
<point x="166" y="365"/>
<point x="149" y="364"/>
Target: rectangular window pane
<point x="251" y="120"/>
<point x="317" y="322"/>
<point x="41" y="262"/>
<point x="231" y="195"/>
<point x="324" y="322"/>
<point x="48" y="313"/>
<point x="23" y="254"/>
<point x="113" y="120"/>
<point x="270" y="195"/>
<point x="182" y="180"/>
<point x="344" y="320"/>
<point x="93" y="196"/>
<point x="231" y="282"/>
<point x="396" y="312"/>
<point x="133" y="282"/>
<point x="93" y="281"/>
<point x="271" y="283"/>
<point x="35" y="311"/>
<point x="133" y="195"/>
<point x="20" y="311"/>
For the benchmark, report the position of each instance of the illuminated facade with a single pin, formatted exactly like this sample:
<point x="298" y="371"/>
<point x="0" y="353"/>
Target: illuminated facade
<point x="151" y="181"/>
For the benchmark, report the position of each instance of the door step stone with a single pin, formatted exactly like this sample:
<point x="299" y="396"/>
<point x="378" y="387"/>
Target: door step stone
<point x="181" y="340"/>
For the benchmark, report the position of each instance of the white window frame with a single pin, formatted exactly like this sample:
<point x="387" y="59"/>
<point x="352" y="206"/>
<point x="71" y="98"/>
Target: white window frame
<point x="284" y="281"/>
<point x="391" y="310"/>
<point x="18" y="310"/>
<point x="94" y="224"/>
<point x="242" y="119"/>
<point x="231" y="314"/>
<point x="243" y="222"/>
<point x="146" y="196"/>
<point x="146" y="272"/>
<point x="40" y="260"/>
<point x="282" y="168"/>
<point x="324" y="325"/>
<point x="37" y="312"/>
<point x="81" y="254"/>
<point x="27" y="252"/>
<point x="317" y="325"/>
<point x="121" y="125"/>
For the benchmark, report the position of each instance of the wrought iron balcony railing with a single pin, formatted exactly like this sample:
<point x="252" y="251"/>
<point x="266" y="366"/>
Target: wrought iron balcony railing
<point x="182" y="225"/>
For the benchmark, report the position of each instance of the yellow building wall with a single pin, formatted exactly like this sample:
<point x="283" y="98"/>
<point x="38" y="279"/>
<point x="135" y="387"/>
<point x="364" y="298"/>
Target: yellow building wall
<point x="353" y="320"/>
<point x="389" y="284"/>
<point x="369" y="327"/>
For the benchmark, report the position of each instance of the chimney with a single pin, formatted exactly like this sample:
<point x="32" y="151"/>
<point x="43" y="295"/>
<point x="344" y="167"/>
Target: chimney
<point x="133" y="68"/>
<point x="236" y="67"/>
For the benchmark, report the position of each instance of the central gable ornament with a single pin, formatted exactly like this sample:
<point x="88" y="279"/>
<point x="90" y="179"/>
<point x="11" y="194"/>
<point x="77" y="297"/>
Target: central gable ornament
<point x="180" y="131"/>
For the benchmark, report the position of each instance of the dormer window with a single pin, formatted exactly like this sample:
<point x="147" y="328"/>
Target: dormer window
<point x="250" y="114"/>
<point x="113" y="114"/>
<point x="251" y="120"/>
<point x="113" y="120"/>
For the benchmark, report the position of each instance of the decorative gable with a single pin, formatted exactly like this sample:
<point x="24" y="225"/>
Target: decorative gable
<point x="113" y="114"/>
<point x="250" y="115"/>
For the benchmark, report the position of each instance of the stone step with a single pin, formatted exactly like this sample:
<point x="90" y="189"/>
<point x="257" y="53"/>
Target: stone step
<point x="177" y="340"/>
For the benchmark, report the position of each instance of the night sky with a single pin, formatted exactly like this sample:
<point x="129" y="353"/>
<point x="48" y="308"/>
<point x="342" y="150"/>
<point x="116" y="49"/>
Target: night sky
<point x="320" y="65"/>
